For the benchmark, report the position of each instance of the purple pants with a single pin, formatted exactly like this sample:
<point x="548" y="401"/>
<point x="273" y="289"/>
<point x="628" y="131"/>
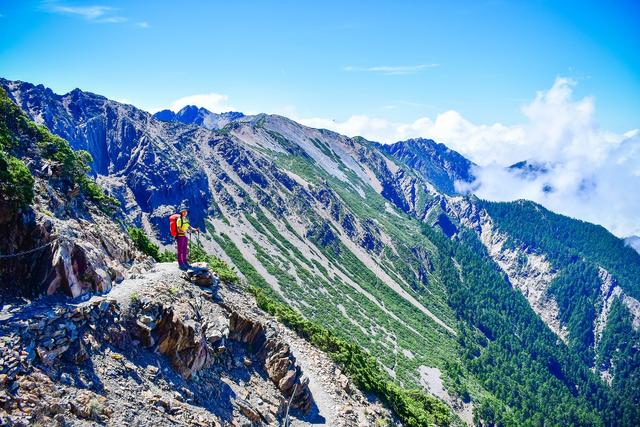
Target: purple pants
<point x="182" y="250"/>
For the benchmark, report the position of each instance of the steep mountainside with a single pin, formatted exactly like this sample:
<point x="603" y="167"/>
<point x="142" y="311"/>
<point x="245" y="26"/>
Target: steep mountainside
<point x="59" y="235"/>
<point x="446" y="291"/>
<point x="594" y="284"/>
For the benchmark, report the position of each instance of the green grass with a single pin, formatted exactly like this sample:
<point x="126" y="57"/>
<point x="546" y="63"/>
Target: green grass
<point x="224" y="271"/>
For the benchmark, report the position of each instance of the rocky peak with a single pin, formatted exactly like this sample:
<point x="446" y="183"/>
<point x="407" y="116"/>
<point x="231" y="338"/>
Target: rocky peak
<point x="435" y="162"/>
<point x="199" y="116"/>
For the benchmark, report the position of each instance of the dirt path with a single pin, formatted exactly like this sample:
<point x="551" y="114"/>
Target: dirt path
<point x="326" y="402"/>
<point x="121" y="292"/>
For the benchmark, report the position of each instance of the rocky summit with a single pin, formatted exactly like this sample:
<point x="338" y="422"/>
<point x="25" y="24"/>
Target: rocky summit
<point x="341" y="281"/>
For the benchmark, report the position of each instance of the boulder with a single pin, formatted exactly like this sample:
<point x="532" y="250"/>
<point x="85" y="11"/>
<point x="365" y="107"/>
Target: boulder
<point x="188" y="351"/>
<point x="201" y="275"/>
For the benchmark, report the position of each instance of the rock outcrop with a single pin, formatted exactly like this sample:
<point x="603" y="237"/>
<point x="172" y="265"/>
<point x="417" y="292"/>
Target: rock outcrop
<point x="61" y="236"/>
<point x="276" y="357"/>
<point x="610" y="291"/>
<point x="436" y="163"/>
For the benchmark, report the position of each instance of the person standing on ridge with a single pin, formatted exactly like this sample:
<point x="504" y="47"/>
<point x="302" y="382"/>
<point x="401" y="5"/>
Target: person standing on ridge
<point x="183" y="227"/>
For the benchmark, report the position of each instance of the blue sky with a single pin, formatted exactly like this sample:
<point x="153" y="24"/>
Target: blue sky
<point x="554" y="82"/>
<point x="398" y="60"/>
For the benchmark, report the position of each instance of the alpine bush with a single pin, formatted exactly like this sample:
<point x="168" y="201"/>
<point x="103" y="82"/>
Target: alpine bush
<point x="16" y="181"/>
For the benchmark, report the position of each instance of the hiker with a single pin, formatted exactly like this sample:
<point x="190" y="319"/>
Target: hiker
<point x="182" y="227"/>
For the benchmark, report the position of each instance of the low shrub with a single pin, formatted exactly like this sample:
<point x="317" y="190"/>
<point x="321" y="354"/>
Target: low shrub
<point x="143" y="243"/>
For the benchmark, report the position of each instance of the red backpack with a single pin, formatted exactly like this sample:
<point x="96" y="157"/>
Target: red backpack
<point x="173" y="224"/>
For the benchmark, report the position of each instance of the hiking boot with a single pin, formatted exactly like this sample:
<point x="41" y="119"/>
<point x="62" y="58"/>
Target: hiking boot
<point x="183" y="267"/>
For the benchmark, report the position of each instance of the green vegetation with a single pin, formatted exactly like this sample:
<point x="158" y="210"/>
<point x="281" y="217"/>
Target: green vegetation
<point x="74" y="167"/>
<point x="94" y="192"/>
<point x="565" y="239"/>
<point x="147" y="247"/>
<point x="225" y="272"/>
<point x="577" y="249"/>
<point x="576" y="291"/>
<point x="135" y="297"/>
<point x="514" y="354"/>
<point x="327" y="151"/>
<point x="618" y="353"/>
<point x="298" y="279"/>
<point x="413" y="407"/>
<point x="232" y="251"/>
<point x="16" y="181"/>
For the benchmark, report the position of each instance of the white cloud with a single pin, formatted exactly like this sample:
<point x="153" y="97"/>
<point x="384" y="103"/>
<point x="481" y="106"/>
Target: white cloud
<point x="112" y="20"/>
<point x="449" y="127"/>
<point x="94" y="13"/>
<point x="142" y="24"/>
<point x="214" y="102"/>
<point x="392" y="69"/>
<point x="593" y="174"/>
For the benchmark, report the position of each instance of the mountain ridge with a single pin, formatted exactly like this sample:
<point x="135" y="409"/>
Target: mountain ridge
<point x="313" y="217"/>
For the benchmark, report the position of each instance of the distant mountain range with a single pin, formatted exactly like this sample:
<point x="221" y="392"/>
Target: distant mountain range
<point x="198" y="116"/>
<point x="527" y="316"/>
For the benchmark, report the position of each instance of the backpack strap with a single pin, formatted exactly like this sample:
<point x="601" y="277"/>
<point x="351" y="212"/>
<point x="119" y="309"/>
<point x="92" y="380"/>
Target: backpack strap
<point x="179" y="226"/>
